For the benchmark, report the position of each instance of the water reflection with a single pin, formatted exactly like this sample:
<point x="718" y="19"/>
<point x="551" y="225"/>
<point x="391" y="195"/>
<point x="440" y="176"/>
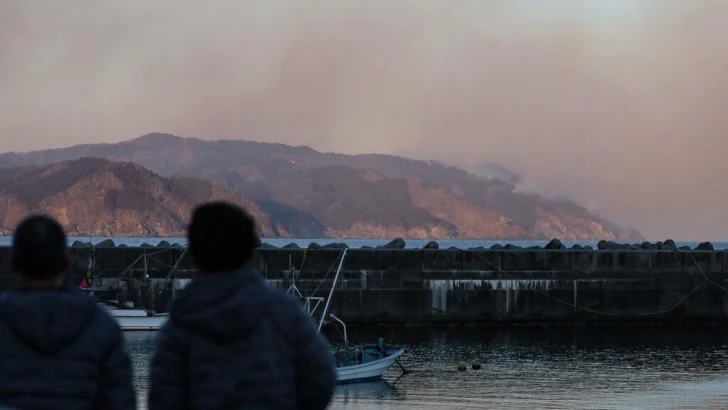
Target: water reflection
<point x="535" y="368"/>
<point x="367" y="395"/>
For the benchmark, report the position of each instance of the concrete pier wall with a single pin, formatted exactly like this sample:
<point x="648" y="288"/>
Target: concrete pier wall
<point x="414" y="286"/>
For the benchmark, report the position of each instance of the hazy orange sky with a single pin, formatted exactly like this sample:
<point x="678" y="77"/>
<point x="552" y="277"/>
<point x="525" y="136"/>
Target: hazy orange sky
<point x="618" y="104"/>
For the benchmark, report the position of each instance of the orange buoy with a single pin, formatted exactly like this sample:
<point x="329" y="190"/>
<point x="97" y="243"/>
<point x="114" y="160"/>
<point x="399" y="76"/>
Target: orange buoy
<point x="462" y="367"/>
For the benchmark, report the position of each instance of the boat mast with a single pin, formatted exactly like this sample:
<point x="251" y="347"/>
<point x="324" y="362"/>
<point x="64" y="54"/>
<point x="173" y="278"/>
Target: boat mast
<point x="331" y="292"/>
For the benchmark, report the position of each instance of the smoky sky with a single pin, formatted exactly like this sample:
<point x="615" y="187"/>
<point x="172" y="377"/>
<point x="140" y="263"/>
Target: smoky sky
<point x="618" y="104"/>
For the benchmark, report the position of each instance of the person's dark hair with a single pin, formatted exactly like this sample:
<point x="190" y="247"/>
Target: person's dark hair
<point x="39" y="248"/>
<point x="221" y="237"/>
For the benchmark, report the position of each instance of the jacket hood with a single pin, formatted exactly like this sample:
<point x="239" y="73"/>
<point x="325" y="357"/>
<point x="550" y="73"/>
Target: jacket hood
<point x="223" y="307"/>
<point x="47" y="320"/>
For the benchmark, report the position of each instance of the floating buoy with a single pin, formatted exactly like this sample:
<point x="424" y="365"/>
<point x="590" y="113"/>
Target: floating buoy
<point x="476" y="366"/>
<point x="462" y="367"/>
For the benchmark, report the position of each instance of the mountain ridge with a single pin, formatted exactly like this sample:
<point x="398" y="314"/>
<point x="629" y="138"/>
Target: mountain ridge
<point x="96" y="197"/>
<point x="315" y="194"/>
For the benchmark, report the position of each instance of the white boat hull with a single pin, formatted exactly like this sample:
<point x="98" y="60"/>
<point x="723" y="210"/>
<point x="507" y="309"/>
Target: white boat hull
<point x="137" y="319"/>
<point x="141" y="323"/>
<point x="368" y="371"/>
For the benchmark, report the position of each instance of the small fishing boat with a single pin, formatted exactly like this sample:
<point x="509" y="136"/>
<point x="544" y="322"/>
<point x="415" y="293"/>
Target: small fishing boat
<point x="354" y="363"/>
<point x="362" y="363"/>
<point x="128" y="318"/>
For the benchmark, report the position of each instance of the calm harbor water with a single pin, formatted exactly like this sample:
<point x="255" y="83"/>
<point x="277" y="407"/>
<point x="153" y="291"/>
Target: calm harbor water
<point x="356" y="243"/>
<point x="608" y="368"/>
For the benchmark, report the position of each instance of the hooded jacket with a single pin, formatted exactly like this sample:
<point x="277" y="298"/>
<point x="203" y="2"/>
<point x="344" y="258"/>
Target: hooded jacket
<point x="234" y="342"/>
<point x="59" y="350"/>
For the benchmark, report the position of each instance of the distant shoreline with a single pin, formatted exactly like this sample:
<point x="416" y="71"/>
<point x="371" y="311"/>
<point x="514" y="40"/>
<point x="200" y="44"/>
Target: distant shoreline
<point x="410" y="243"/>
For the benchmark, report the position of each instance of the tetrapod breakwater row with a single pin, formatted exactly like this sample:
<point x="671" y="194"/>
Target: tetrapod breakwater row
<point x="394" y="285"/>
<point x="400" y="243"/>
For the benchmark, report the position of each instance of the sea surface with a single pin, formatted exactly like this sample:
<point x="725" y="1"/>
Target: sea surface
<point x="607" y="368"/>
<point x="356" y="243"/>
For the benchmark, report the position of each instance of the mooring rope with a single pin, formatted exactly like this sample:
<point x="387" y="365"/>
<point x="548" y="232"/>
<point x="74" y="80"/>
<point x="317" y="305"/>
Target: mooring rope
<point x="704" y="275"/>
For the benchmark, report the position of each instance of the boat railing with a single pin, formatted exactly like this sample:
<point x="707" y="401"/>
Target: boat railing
<point x="312" y="303"/>
<point x="343" y="325"/>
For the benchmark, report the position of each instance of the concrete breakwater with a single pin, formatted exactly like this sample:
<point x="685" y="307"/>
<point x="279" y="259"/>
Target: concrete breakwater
<point x="424" y="286"/>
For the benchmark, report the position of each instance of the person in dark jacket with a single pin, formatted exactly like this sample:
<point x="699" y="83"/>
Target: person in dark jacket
<point x="232" y="340"/>
<point x="58" y="349"/>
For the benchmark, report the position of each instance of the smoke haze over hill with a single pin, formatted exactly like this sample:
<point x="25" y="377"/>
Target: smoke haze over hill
<point x="617" y="104"/>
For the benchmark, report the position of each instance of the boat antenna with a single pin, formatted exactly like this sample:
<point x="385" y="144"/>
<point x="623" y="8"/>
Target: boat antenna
<point x="331" y="292"/>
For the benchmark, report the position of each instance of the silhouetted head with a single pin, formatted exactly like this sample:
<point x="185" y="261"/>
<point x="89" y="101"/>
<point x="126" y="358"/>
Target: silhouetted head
<point x="39" y="249"/>
<point x="221" y="237"/>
